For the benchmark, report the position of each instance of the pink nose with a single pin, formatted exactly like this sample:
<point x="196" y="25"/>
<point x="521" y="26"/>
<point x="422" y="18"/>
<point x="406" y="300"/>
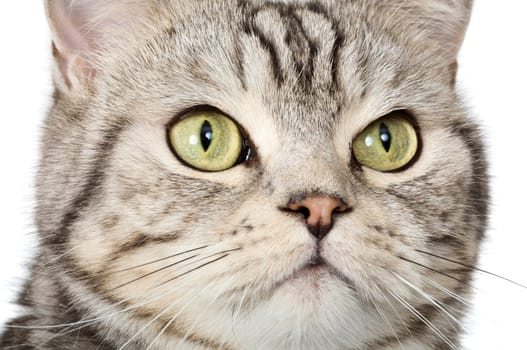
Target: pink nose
<point x="318" y="211"/>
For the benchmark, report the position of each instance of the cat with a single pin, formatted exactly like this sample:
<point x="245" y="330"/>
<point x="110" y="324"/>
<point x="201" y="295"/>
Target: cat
<point x="255" y="175"/>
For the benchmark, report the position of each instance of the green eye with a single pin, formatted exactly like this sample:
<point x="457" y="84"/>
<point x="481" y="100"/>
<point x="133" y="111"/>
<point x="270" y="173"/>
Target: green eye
<point x="207" y="141"/>
<point x="387" y="144"/>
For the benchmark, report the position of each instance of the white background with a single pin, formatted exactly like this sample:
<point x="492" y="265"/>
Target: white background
<point x="493" y="77"/>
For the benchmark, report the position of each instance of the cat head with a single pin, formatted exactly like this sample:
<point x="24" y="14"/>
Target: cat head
<point x="281" y="169"/>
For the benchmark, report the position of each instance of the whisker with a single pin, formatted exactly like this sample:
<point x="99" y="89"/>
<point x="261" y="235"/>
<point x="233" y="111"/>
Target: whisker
<point x="189" y="331"/>
<point x="94" y="320"/>
<point x="237" y="306"/>
<point x="396" y="313"/>
<point x="194" y="269"/>
<point x="172" y="319"/>
<point x="63" y="332"/>
<point x="432" y="300"/>
<point x="383" y="316"/>
<point x="125" y="269"/>
<point x="53" y="260"/>
<point x="472" y="267"/>
<point x="87" y="322"/>
<point x="161" y="313"/>
<point x="430" y="325"/>
<point x="153" y="272"/>
<point x="436" y="271"/>
<point x="390" y="304"/>
<point x="161" y="259"/>
<point x="162" y="269"/>
<point x="236" y="310"/>
<point x="68" y="327"/>
<point x="492" y="318"/>
<point x="459" y="298"/>
<point x="58" y="257"/>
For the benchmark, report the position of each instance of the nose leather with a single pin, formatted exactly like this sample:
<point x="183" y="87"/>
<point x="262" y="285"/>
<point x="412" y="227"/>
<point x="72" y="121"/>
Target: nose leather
<point x="318" y="212"/>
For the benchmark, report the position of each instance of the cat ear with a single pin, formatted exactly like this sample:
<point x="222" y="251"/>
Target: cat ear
<point x="81" y="30"/>
<point x="440" y="24"/>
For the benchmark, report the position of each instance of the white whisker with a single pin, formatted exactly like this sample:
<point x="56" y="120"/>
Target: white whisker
<point x="459" y="298"/>
<point x="432" y="300"/>
<point x="430" y="325"/>
<point x="383" y="316"/>
<point x="173" y="318"/>
<point x="161" y="313"/>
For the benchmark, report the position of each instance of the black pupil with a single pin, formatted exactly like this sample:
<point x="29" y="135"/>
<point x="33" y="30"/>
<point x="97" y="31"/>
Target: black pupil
<point x="385" y="137"/>
<point x="206" y="135"/>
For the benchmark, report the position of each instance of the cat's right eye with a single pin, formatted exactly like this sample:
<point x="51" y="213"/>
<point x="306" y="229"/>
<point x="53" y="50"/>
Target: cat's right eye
<point x="207" y="140"/>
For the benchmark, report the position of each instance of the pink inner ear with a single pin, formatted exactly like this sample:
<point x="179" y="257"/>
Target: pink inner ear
<point x="69" y="23"/>
<point x="76" y="30"/>
<point x="81" y="28"/>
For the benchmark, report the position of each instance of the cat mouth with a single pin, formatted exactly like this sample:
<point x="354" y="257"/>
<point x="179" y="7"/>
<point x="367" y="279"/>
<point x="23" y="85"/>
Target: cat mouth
<point x="315" y="274"/>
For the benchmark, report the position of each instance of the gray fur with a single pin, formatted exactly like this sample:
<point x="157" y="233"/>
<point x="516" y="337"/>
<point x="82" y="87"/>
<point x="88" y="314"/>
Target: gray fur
<point x="302" y="79"/>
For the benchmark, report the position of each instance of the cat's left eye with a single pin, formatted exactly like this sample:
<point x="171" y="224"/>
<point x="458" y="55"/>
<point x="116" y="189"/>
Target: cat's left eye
<point x="388" y="144"/>
<point x="207" y="140"/>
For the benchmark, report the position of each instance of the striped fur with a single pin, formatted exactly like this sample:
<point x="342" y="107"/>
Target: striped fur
<point x="139" y="251"/>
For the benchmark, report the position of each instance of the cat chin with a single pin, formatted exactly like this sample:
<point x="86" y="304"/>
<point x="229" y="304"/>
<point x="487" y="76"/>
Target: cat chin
<point x="310" y="310"/>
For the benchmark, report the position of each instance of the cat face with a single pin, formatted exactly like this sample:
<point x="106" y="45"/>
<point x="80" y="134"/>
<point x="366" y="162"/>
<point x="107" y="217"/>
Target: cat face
<point x="227" y="258"/>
